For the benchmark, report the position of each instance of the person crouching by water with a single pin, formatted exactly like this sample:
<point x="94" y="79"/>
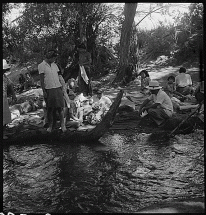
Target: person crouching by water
<point x="7" y="83"/>
<point x="52" y="88"/>
<point x="158" y="105"/>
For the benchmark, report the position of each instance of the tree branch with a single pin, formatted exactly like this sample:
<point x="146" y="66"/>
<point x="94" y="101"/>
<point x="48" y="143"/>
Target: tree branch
<point x="149" y="14"/>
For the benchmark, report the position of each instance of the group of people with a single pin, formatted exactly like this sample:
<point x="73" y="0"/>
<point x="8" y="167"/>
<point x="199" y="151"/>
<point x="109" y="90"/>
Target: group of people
<point x="72" y="101"/>
<point x="75" y="103"/>
<point x="159" y="106"/>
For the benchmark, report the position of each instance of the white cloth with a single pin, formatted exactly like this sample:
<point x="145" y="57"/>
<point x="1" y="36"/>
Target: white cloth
<point x="84" y="74"/>
<point x="164" y="100"/>
<point x="64" y="89"/>
<point x="104" y="104"/>
<point x="183" y="80"/>
<point x="51" y="78"/>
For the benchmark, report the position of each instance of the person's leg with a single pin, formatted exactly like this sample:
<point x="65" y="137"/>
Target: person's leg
<point x="45" y="122"/>
<point x="54" y="114"/>
<point x="158" y="115"/>
<point x="73" y="124"/>
<point x="65" y="114"/>
<point x="61" y="115"/>
<point x="50" y="118"/>
<point x="186" y="90"/>
<point x="180" y="90"/>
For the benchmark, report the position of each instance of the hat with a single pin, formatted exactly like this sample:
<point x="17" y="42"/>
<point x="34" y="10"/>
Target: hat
<point x="5" y="65"/>
<point x="154" y="85"/>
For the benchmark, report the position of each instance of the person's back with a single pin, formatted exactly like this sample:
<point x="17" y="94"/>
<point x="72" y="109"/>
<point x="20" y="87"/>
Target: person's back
<point x="183" y="80"/>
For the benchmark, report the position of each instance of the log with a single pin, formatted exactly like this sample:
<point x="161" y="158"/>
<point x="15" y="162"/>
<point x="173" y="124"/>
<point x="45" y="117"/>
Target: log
<point x="40" y="135"/>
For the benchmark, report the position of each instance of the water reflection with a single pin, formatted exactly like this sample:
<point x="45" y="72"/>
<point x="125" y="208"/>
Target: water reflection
<point x="32" y="178"/>
<point x="120" y="173"/>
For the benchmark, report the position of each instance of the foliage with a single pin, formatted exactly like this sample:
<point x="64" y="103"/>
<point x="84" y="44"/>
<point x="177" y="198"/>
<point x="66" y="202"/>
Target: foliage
<point x="180" y="42"/>
<point x="55" y="25"/>
<point x="63" y="26"/>
<point x="189" y="33"/>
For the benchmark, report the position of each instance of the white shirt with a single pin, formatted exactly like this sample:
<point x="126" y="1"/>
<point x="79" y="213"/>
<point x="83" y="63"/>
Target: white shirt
<point x="183" y="80"/>
<point x="164" y="100"/>
<point x="51" y="78"/>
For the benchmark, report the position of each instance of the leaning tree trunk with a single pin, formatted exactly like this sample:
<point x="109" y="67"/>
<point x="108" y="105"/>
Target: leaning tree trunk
<point x="129" y="13"/>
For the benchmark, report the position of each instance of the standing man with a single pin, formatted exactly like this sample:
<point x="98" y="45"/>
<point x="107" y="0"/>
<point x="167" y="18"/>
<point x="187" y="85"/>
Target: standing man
<point x="84" y="77"/>
<point x="158" y="105"/>
<point x="52" y="88"/>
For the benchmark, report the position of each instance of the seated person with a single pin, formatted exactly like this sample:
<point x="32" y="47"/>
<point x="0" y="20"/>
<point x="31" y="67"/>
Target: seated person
<point x="183" y="82"/>
<point x="103" y="101"/>
<point x="100" y="107"/>
<point x="145" y="79"/>
<point x="158" y="105"/>
<point x="75" y="113"/>
<point x="21" y="82"/>
<point x="29" y="81"/>
<point x="72" y="85"/>
<point x="175" y="96"/>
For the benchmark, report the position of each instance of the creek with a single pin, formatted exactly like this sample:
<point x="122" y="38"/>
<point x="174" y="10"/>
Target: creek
<point x="119" y="173"/>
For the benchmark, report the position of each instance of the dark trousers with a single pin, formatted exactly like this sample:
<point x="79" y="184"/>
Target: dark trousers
<point x="158" y="115"/>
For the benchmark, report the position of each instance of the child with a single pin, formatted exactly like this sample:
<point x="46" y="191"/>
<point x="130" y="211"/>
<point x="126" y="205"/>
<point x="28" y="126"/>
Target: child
<point x="170" y="89"/>
<point x="145" y="79"/>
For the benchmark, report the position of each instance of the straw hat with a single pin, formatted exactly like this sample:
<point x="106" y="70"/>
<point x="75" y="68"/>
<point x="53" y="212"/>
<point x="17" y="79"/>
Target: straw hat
<point x="5" y="65"/>
<point x="154" y="85"/>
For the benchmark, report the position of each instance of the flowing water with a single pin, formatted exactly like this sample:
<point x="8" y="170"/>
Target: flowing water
<point x="119" y="173"/>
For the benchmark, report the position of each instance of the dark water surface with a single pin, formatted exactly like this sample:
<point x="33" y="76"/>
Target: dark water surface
<point x="120" y="173"/>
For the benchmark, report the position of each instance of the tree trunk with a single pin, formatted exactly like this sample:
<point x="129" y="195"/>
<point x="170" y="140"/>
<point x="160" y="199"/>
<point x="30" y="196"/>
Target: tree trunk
<point x="82" y="24"/>
<point x="129" y="13"/>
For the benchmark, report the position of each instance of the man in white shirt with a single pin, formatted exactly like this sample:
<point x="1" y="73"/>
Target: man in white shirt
<point x="183" y="82"/>
<point x="52" y="88"/>
<point x="158" y="105"/>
